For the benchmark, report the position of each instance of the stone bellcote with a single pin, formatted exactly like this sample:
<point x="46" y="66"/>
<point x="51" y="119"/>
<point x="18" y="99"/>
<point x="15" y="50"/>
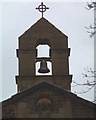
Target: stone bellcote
<point x="41" y="33"/>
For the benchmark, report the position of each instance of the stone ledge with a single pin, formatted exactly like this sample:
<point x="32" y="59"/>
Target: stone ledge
<point x="43" y="77"/>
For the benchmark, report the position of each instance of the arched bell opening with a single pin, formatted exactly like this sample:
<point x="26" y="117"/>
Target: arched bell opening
<point x="43" y="64"/>
<point x="43" y="51"/>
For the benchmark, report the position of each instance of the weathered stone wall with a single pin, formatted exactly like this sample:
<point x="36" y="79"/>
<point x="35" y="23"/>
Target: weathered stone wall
<point x="9" y="110"/>
<point x="26" y="107"/>
<point x="62" y="106"/>
<point x="82" y="110"/>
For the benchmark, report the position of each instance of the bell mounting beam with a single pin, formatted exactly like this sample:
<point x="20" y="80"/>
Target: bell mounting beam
<point x="43" y="58"/>
<point x="42" y="8"/>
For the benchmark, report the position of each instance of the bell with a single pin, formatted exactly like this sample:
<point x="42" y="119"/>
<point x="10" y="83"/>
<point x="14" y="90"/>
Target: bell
<point x="43" y="67"/>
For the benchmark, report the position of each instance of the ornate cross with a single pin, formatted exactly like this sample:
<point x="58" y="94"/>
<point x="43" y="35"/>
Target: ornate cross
<point x="42" y="8"/>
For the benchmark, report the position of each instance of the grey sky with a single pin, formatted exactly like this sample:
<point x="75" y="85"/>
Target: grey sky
<point x="70" y="18"/>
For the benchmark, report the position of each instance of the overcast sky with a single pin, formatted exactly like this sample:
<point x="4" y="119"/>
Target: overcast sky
<point x="71" y="18"/>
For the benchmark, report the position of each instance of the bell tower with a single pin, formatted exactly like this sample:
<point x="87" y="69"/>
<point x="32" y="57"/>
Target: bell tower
<point x="43" y="33"/>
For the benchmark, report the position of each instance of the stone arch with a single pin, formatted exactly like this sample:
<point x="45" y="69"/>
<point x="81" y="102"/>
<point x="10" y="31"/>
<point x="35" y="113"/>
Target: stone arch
<point x="44" y="104"/>
<point x="42" y="42"/>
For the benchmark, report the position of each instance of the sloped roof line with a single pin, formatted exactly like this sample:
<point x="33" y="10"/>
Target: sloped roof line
<point x="44" y="83"/>
<point x="47" y="22"/>
<point x="27" y="90"/>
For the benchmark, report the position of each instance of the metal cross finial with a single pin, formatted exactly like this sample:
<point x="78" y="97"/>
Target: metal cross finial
<point x="42" y="8"/>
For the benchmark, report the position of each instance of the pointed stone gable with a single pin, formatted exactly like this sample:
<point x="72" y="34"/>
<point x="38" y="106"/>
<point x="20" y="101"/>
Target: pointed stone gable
<point x="43" y="29"/>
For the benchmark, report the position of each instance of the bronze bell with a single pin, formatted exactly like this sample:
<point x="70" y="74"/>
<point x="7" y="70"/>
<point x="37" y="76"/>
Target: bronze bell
<point x="43" y="67"/>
